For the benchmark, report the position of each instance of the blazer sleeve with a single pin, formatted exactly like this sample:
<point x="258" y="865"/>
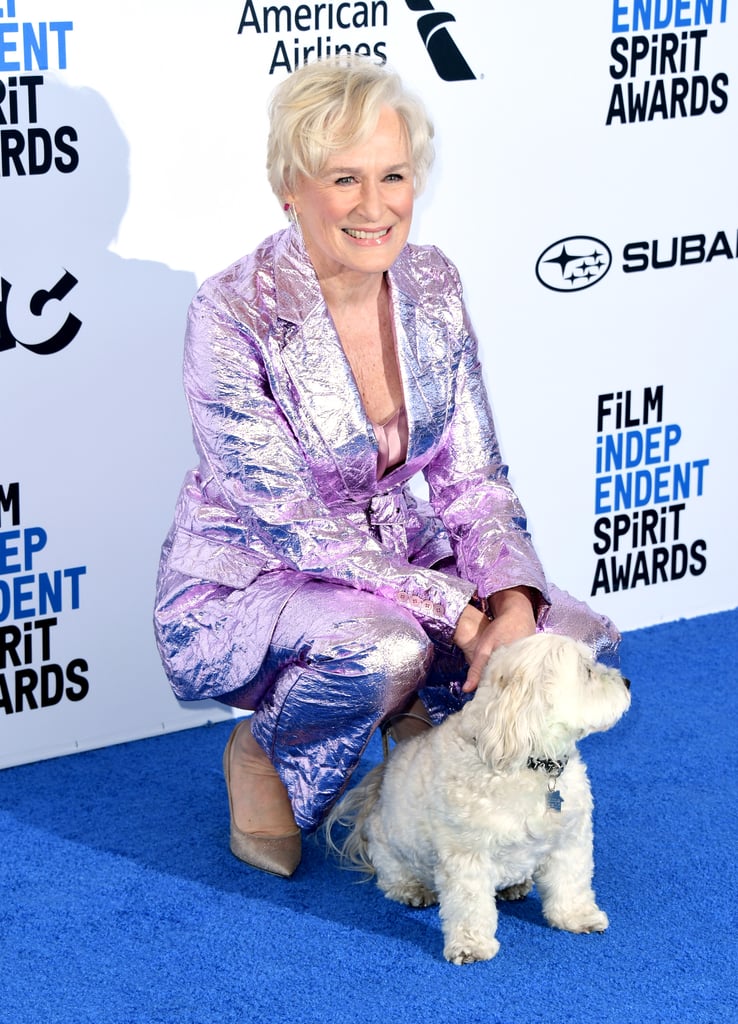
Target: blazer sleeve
<point x="253" y="469"/>
<point x="469" y="486"/>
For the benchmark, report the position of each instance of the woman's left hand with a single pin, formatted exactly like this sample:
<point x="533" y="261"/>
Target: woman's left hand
<point x="513" y="619"/>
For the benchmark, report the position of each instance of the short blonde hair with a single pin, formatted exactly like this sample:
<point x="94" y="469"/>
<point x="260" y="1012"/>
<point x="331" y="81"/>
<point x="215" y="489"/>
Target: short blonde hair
<point x="332" y="104"/>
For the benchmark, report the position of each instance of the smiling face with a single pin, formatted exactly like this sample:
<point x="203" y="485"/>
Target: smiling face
<point x="355" y="215"/>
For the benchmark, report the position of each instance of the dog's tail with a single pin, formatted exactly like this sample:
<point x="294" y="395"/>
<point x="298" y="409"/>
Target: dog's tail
<point x="352" y="813"/>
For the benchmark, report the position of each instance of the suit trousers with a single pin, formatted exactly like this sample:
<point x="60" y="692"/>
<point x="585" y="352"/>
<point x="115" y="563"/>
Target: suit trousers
<point x="342" y="661"/>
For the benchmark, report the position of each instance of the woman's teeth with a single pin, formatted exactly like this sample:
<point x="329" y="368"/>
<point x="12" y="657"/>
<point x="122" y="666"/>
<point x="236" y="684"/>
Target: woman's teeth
<point x="376" y="235"/>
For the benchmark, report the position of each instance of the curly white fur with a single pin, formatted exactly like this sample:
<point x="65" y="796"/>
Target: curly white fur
<point x="456" y="816"/>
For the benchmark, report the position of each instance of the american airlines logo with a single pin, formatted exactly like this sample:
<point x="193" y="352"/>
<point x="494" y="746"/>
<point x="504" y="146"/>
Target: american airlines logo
<point x="447" y="58"/>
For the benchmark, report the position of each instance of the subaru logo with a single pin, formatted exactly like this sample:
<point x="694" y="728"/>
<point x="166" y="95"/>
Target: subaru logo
<point x="573" y="264"/>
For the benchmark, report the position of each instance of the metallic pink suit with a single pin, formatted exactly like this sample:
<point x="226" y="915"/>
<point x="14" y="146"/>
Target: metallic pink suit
<point x="295" y="583"/>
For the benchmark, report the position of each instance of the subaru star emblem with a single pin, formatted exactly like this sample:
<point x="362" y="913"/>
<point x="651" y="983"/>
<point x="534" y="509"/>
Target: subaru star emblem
<point x="573" y="263"/>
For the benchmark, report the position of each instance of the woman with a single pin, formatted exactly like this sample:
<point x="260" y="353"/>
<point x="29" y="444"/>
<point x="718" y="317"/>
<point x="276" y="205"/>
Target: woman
<point x="302" y="579"/>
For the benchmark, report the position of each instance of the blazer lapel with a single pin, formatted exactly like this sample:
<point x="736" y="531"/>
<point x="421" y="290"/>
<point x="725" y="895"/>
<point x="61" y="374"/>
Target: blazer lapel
<point x="423" y="353"/>
<point x="325" y="398"/>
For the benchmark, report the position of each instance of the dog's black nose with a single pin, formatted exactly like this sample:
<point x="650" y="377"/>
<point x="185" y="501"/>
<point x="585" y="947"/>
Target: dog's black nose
<point x="627" y="683"/>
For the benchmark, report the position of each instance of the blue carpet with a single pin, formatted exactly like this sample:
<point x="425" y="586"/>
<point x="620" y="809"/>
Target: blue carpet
<point x="121" y="903"/>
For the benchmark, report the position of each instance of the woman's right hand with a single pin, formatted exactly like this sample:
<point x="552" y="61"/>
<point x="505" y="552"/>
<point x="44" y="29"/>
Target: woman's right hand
<point x="470" y="630"/>
<point x="478" y="636"/>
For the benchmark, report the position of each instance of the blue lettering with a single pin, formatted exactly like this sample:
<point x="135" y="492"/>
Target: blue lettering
<point x="21" y="596"/>
<point x="661" y="484"/>
<point x="49" y="597"/>
<point x="614" y="451"/>
<point x="623" y="491"/>
<point x="659" y="14"/>
<point x="672" y="436"/>
<point x="602" y="495"/>
<point x="699" y="465"/>
<point x="618" y="10"/>
<point x="662" y="20"/>
<point x="681" y="480"/>
<point x="34" y="540"/>
<point x="7" y="551"/>
<point x="643" y="488"/>
<point x="61" y="28"/>
<point x="8" y="46"/>
<point x="682" y="20"/>
<point x="35" y="46"/>
<point x="635" y="451"/>
<point x="652" y="445"/>
<point x="73" y="575"/>
<point x="642" y="11"/>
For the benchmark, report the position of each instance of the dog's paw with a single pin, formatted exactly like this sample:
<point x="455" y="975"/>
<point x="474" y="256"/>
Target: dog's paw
<point x="465" y="950"/>
<point x="412" y="894"/>
<point x="516" y="892"/>
<point x="583" y="920"/>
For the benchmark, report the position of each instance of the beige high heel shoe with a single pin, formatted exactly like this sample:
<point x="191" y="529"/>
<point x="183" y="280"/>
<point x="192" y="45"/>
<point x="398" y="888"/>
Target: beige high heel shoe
<point x="405" y="725"/>
<point x="277" y="854"/>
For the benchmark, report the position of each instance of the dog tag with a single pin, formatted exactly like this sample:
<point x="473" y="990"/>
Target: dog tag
<point x="554" y="800"/>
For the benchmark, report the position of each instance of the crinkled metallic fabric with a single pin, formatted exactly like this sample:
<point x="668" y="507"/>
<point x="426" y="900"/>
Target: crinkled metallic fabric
<point x="286" y="486"/>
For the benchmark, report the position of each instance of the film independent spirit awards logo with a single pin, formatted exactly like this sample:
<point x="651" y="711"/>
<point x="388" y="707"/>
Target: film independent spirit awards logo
<point x="573" y="264"/>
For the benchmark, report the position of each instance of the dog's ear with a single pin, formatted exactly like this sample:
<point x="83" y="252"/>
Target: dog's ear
<point x="507" y="717"/>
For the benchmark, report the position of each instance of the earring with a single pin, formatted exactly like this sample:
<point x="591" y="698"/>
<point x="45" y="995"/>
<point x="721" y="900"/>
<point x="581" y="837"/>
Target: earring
<point x="291" y="212"/>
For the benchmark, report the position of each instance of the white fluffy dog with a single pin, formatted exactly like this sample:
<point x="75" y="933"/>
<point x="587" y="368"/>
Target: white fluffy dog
<point x="494" y="799"/>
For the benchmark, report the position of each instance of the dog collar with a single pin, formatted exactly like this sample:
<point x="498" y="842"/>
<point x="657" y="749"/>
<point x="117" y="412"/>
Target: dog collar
<point x="552" y="768"/>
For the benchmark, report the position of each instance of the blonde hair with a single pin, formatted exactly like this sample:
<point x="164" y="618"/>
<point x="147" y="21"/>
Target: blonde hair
<point x="329" y="105"/>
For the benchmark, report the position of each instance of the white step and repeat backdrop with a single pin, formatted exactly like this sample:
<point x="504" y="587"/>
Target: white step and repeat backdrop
<point x="585" y="186"/>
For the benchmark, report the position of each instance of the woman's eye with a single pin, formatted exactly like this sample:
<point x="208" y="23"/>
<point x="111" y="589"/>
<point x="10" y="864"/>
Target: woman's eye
<point x="347" y="180"/>
<point x="394" y="177"/>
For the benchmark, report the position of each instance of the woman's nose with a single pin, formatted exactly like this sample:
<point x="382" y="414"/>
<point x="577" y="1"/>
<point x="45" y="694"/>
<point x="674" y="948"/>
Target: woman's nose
<point x="370" y="201"/>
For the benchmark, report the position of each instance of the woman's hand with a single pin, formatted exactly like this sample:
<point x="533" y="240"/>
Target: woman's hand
<point x="478" y="636"/>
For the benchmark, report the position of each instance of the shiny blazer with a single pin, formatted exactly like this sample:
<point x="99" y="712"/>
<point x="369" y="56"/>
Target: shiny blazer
<point x="286" y="487"/>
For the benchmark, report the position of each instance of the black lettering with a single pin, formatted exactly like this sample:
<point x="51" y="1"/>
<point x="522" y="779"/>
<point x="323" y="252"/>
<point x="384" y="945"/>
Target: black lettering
<point x="39" y="151"/>
<point x="653" y="400"/>
<point x="678" y="561"/>
<point x="10" y="638"/>
<point x="617" y="51"/>
<point x="658" y="100"/>
<point x="5" y="702"/>
<point x="10" y="502"/>
<point x="679" y="93"/>
<point x="601" y="580"/>
<point x="635" y="260"/>
<point x="26" y="682"/>
<point x="659" y="264"/>
<point x="62" y="138"/>
<point x="718" y="106"/>
<point x="74" y="676"/>
<point x="601" y="530"/>
<point x="700" y="95"/>
<point x="52" y="685"/>
<point x="699" y="561"/>
<point x="12" y="145"/>
<point x="616" y="110"/>
<point x="719" y="247"/>
<point x="246" y="22"/>
<point x="660" y="562"/>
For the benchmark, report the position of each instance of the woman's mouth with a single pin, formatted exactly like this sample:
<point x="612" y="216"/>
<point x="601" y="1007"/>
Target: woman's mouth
<point x="367" y="236"/>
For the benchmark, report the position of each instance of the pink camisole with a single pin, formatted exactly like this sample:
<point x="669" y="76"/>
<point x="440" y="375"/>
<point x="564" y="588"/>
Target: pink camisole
<point x="392" y="440"/>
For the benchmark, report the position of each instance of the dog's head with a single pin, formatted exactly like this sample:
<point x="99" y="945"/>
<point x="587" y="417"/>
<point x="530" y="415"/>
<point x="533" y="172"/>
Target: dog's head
<point x="539" y="696"/>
